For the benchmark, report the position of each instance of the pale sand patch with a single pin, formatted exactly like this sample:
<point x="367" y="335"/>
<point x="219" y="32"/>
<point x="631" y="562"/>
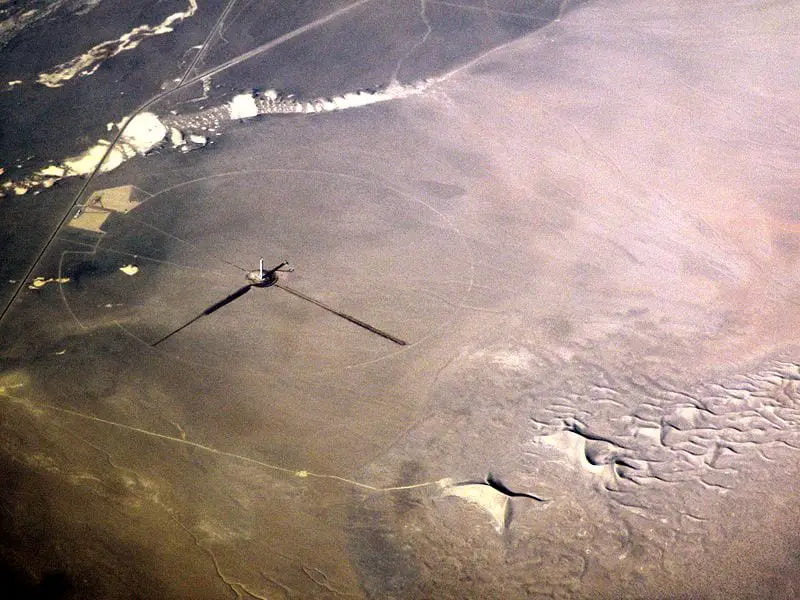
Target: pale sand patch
<point x="87" y="162"/>
<point x="87" y="63"/>
<point x="175" y="137"/>
<point x="130" y="270"/>
<point x="143" y="133"/>
<point x="40" y="282"/>
<point x="485" y="497"/>
<point x="243" y="106"/>
<point x="573" y="446"/>
<point x="53" y="171"/>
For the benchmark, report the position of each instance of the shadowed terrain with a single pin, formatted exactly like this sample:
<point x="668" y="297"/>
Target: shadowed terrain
<point x="583" y="228"/>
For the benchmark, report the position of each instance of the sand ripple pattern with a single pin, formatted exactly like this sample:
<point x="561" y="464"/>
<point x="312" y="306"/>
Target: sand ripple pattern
<point x="665" y="435"/>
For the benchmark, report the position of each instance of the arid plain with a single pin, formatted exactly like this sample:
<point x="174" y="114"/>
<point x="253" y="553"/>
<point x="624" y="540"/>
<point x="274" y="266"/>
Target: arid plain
<point x="581" y="220"/>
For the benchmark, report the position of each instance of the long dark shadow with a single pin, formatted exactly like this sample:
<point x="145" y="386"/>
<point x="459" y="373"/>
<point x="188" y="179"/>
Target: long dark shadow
<point x="244" y="289"/>
<point x="345" y="316"/>
<point x="211" y="309"/>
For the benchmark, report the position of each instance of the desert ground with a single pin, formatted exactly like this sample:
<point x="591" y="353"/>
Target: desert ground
<point x="577" y="223"/>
